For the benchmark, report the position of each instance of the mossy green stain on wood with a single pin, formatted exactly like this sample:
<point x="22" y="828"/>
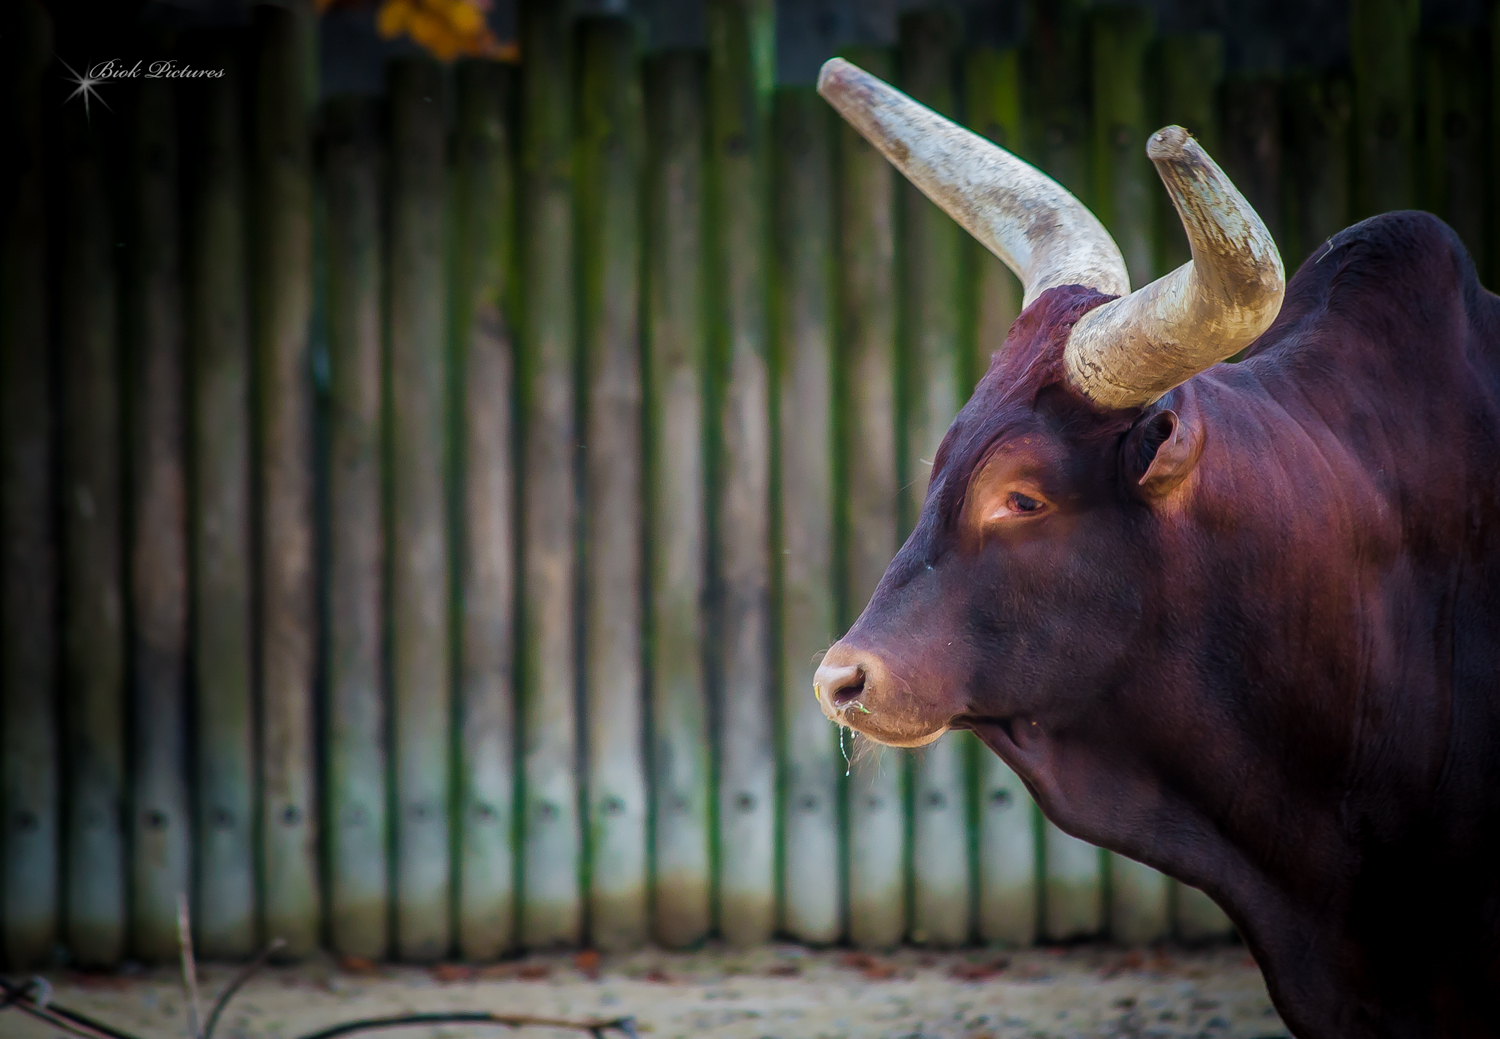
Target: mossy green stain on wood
<point x="676" y="335"/>
<point x="219" y="523"/>
<point x="417" y="513"/>
<point x="551" y="908"/>
<point x="803" y="222"/>
<point x="484" y="360"/>
<point x="356" y="795"/>
<point x="286" y="583"/>
<point x="160" y="831"/>
<point x="867" y="294"/>
<point x="610" y="144"/>
<point x="93" y="635"/>
<point x="30" y="769"/>
<point x="741" y="35"/>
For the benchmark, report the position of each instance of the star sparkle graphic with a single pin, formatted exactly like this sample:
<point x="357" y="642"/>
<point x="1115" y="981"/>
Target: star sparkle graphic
<point x="88" y="86"/>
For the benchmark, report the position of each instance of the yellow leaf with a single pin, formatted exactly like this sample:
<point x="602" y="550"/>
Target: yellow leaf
<point x="393" y="17"/>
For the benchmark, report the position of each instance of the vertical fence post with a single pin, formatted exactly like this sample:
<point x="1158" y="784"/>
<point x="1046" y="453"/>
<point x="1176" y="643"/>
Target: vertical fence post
<point x="219" y="523"/>
<point x="1057" y="114"/>
<point x="1455" y="181"/>
<point x="1007" y="838"/>
<point x="93" y="671"/>
<point x="29" y="766"/>
<point x="867" y="289"/>
<point x="287" y="631"/>
<point x="676" y="369"/>
<point x="1190" y="69"/>
<point x="1318" y="112"/>
<point x="1382" y="37"/>
<point x="357" y="833"/>
<point x="160" y="833"/>
<point x="417" y="524"/>
<point x="937" y="373"/>
<point x="610" y="135"/>
<point x="1126" y="195"/>
<point x="551" y="907"/>
<point x="484" y="359"/>
<point x="803" y="221"/>
<point x="1494" y="155"/>
<point x="741" y="35"/>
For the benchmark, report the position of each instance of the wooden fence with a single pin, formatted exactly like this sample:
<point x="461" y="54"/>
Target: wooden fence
<point x="422" y="516"/>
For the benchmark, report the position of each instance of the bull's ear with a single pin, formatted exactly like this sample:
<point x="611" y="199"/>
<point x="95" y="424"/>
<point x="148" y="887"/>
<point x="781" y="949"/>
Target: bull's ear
<point x="1160" y="452"/>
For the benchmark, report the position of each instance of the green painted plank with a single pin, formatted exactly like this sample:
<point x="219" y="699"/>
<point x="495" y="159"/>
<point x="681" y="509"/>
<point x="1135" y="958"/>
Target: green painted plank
<point x="160" y="837"/>
<point x="219" y="522"/>
<point x="287" y="633"/>
<point x="1382" y="52"/>
<point x="676" y="367"/>
<point x="417" y="517"/>
<point x="867" y="302"/>
<point x="29" y="766"/>
<point x="1251" y="148"/>
<point x="1057" y="141"/>
<point x="937" y="376"/>
<point x="355" y="793"/>
<point x="802" y="139"/>
<point x="484" y="359"/>
<point x="611" y="135"/>
<point x="1190" y="70"/>
<point x="992" y="98"/>
<point x="1456" y="187"/>
<point x="1007" y="821"/>
<point x="93" y="662"/>
<point x="551" y="906"/>
<point x="741" y="35"/>
<point x="1127" y="194"/>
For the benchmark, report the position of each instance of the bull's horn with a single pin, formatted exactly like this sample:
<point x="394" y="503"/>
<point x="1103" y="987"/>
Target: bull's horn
<point x="1020" y="214"/>
<point x="1133" y="349"/>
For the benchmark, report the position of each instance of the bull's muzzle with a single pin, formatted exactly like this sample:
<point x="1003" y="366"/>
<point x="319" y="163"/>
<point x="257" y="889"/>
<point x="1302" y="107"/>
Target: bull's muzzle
<point x="855" y="687"/>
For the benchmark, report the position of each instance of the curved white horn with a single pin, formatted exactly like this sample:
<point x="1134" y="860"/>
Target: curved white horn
<point x="1020" y="214"/>
<point x="1131" y="350"/>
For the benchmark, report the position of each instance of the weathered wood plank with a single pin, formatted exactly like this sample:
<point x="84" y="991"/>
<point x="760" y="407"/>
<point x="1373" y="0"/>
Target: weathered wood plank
<point x="937" y="373"/>
<point x="610" y="145"/>
<point x="1190" y="69"/>
<point x="1007" y="819"/>
<point x="551" y="906"/>
<point x="804" y="242"/>
<point x="1382" y="51"/>
<point x="160" y="831"/>
<point x="867" y="301"/>
<point x="1126" y="196"/>
<point x="29" y="766"/>
<point x="1056" y="114"/>
<point x="1456" y="187"/>
<point x="741" y="35"/>
<point x="356" y="794"/>
<point x="483" y="294"/>
<point x="1319" y="109"/>
<point x="992" y="98"/>
<point x="93" y="662"/>
<point x="677" y="359"/>
<point x="417" y="523"/>
<point x="287" y="631"/>
<point x="218" y="309"/>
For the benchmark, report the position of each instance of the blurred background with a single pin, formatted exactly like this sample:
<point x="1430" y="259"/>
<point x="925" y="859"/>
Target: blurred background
<point x="437" y="440"/>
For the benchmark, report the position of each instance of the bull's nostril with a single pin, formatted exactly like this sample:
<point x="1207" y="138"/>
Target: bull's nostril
<point x="846" y="695"/>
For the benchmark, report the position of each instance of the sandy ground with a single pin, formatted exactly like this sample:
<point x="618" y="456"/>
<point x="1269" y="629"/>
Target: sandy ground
<point x="781" y="991"/>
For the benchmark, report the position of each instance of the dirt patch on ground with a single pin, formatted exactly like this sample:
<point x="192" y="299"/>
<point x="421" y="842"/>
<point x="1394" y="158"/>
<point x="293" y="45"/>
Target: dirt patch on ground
<point x="783" y="991"/>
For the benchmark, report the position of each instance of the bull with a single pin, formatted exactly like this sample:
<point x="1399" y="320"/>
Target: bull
<point x="1240" y="622"/>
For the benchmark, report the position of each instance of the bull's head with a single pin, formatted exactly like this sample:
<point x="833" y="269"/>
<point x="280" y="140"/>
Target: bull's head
<point x="1020" y="603"/>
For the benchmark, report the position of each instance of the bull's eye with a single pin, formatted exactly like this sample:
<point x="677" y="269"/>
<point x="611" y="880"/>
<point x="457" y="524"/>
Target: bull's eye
<point x="1022" y="503"/>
